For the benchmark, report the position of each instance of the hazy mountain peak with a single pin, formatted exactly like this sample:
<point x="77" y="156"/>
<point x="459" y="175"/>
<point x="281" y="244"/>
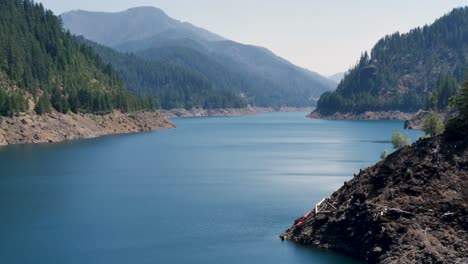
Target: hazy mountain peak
<point x="146" y="11"/>
<point x="133" y="24"/>
<point x="337" y="77"/>
<point x="151" y="34"/>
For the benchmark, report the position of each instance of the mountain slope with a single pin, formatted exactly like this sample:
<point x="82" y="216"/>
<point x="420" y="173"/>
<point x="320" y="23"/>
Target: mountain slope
<point x="170" y="85"/>
<point x="54" y="89"/>
<point x="229" y="75"/>
<point x="403" y="69"/>
<point x="131" y="25"/>
<point x="267" y="65"/>
<point x="253" y="72"/>
<point x="37" y="59"/>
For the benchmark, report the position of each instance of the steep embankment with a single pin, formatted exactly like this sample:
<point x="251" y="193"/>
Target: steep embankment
<point x="56" y="127"/>
<point x="411" y="207"/>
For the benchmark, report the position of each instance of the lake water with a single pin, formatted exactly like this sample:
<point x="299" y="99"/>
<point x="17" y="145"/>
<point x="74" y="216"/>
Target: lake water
<point x="214" y="190"/>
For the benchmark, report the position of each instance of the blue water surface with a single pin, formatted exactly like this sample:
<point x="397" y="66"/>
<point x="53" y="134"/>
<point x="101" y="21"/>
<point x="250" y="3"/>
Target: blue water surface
<point x="214" y="190"/>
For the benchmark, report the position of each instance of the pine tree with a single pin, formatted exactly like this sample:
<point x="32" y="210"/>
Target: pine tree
<point x="38" y="57"/>
<point x="403" y="70"/>
<point x="43" y="105"/>
<point x="463" y="99"/>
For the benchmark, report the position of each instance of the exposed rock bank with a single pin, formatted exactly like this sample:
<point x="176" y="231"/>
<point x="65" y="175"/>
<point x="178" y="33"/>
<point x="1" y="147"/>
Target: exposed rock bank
<point x="56" y="127"/>
<point x="385" y="115"/>
<point x="416" y="122"/>
<point x="198" y="112"/>
<point x="411" y="207"/>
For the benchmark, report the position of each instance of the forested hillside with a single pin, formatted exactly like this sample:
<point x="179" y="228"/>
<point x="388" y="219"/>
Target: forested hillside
<point x="256" y="74"/>
<point x="264" y="79"/>
<point x="227" y="75"/>
<point x="403" y="69"/>
<point x="39" y="61"/>
<point x="171" y="86"/>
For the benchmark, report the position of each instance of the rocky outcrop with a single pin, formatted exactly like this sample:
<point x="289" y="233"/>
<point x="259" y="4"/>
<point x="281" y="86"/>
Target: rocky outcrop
<point x="198" y="112"/>
<point x="55" y="127"/>
<point x="411" y="207"/>
<point x="369" y="115"/>
<point x="416" y="121"/>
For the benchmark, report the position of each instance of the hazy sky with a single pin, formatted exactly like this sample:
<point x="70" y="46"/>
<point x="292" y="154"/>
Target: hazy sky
<point x="326" y="36"/>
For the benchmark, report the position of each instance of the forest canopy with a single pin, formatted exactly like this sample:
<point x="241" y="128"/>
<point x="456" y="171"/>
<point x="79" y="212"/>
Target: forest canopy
<point x="403" y="69"/>
<point x="171" y="86"/>
<point x="39" y="59"/>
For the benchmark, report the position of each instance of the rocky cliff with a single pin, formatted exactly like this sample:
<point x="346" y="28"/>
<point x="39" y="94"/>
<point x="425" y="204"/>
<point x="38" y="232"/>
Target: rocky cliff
<point x="411" y="207"/>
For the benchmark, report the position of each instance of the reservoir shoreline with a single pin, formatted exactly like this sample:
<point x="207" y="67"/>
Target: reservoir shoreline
<point x="368" y="115"/>
<point x="58" y="127"/>
<point x="226" y="112"/>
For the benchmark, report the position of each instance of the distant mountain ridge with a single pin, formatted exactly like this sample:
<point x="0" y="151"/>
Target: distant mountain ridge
<point x="166" y="83"/>
<point x="253" y="73"/>
<point x="403" y="70"/>
<point x="131" y="25"/>
<point x="337" y="77"/>
<point x="53" y="88"/>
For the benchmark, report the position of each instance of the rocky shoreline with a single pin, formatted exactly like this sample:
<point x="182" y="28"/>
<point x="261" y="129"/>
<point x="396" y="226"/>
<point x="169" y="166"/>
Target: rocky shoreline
<point x="416" y="122"/>
<point x="411" y="207"/>
<point x="198" y="112"/>
<point x="57" y="127"/>
<point x="369" y="115"/>
<point x="30" y="128"/>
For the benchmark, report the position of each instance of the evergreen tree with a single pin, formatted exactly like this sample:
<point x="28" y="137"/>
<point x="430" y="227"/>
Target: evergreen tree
<point x="463" y="99"/>
<point x="36" y="54"/>
<point x="43" y="105"/>
<point x="170" y="85"/>
<point x="403" y="70"/>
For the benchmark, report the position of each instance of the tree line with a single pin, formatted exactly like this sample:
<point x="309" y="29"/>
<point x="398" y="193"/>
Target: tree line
<point x="403" y="69"/>
<point x="171" y="86"/>
<point x="226" y="74"/>
<point x="38" y="57"/>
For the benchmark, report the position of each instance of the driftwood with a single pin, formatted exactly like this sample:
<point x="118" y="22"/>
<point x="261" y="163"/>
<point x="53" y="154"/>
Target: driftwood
<point x="324" y="206"/>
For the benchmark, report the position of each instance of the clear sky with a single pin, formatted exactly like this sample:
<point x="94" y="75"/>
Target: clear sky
<point x="326" y="36"/>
